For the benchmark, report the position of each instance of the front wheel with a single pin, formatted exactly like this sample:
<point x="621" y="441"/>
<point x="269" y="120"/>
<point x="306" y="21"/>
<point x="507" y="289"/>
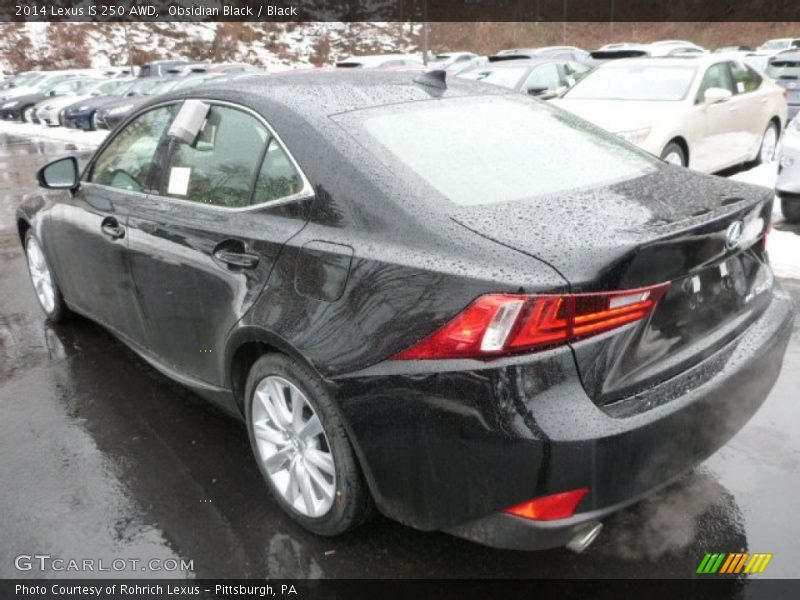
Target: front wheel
<point x="301" y="447"/>
<point x="769" y="142"/>
<point x="44" y="285"/>
<point x="27" y="114"/>
<point x="674" y="155"/>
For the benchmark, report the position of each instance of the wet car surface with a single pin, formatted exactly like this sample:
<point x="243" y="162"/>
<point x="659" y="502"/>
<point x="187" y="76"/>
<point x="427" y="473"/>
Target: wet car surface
<point x="101" y="456"/>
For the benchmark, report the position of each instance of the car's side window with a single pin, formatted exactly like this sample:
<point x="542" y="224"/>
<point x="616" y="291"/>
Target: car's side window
<point x="717" y="76"/>
<point x="543" y="78"/>
<point x="220" y="166"/>
<point x="277" y="178"/>
<point x="127" y="160"/>
<point x="745" y="79"/>
<point x="574" y="72"/>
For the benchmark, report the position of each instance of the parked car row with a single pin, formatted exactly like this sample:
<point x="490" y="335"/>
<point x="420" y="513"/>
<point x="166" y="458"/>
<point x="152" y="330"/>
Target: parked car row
<point x="92" y="99"/>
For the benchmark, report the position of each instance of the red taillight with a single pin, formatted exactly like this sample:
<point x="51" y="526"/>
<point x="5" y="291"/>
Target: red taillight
<point x="549" y="508"/>
<point x="497" y="324"/>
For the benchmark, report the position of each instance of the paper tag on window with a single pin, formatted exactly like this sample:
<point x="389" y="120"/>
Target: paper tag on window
<point x="740" y="86"/>
<point x="179" y="180"/>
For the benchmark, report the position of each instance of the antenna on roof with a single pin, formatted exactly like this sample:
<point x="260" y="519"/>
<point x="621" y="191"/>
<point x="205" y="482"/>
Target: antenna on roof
<point x="436" y="78"/>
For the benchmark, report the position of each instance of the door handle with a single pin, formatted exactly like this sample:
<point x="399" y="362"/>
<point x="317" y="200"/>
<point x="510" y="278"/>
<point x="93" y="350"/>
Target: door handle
<point x="234" y="254"/>
<point x="111" y="228"/>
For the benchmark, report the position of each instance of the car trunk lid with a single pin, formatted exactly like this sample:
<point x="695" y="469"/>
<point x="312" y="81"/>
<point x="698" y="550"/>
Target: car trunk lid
<point x="672" y="226"/>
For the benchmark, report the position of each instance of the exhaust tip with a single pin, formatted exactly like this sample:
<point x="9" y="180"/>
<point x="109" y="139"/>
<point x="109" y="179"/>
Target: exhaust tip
<point x="585" y="536"/>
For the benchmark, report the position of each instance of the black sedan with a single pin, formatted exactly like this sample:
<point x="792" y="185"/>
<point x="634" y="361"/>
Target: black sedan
<point x="543" y="78"/>
<point x="446" y="300"/>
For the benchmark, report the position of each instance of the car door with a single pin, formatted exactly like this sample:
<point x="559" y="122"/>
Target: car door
<point x="713" y="125"/>
<point x="89" y="234"/>
<point x="203" y="246"/>
<point x="754" y="107"/>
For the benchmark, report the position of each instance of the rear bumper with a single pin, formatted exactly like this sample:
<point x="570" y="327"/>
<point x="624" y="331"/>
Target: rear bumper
<point x="439" y="455"/>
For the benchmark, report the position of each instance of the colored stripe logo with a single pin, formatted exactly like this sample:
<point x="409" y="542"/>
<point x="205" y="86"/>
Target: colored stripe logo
<point x="734" y="563"/>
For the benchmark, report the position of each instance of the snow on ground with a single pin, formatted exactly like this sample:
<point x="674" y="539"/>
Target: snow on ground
<point x="783" y="245"/>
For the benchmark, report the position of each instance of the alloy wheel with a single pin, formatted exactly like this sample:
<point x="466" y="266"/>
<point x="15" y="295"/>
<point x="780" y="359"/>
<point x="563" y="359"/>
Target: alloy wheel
<point x="292" y="445"/>
<point x="27" y="116"/>
<point x="768" y="144"/>
<point x="40" y="276"/>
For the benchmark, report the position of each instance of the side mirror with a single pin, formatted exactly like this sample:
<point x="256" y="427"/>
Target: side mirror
<point x="536" y="91"/>
<point x="714" y="95"/>
<point x="188" y="121"/>
<point x="61" y="174"/>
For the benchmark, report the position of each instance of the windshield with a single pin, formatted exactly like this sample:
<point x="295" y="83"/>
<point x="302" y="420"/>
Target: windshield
<point x="84" y="87"/>
<point x="635" y="82"/>
<point x="503" y="76"/>
<point x="145" y="87"/>
<point x="774" y="45"/>
<point x="512" y="148"/>
<point x="107" y="88"/>
<point x="784" y="69"/>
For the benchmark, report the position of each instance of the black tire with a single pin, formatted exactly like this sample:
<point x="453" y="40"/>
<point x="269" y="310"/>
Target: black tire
<point x="790" y="207"/>
<point x="60" y="312"/>
<point x="674" y="148"/>
<point x="352" y="504"/>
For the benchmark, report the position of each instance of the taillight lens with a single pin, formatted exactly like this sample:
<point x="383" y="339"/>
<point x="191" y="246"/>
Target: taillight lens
<point x="549" y="508"/>
<point x="498" y="324"/>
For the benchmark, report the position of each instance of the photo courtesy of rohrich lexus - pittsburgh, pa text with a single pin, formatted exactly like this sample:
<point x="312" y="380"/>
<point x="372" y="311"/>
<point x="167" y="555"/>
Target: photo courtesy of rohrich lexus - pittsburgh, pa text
<point x="383" y="298"/>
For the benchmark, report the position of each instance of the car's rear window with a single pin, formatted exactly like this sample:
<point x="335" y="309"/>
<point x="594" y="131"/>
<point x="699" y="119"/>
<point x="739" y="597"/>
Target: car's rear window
<point x="485" y="150"/>
<point x="784" y="69"/>
<point x="507" y="77"/>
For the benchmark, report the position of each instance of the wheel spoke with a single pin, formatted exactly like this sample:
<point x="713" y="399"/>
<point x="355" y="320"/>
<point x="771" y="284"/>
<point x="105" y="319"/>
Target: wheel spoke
<point x="279" y="459"/>
<point x="277" y="399"/>
<point x="266" y="433"/>
<point x="305" y="488"/>
<point x="297" y="409"/>
<point x="311" y="429"/>
<point x="320" y="459"/>
<point x="323" y="485"/>
<point x="269" y="407"/>
<point x="293" y="487"/>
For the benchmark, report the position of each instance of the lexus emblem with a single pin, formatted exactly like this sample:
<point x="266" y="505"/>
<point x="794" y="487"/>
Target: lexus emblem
<point x="733" y="235"/>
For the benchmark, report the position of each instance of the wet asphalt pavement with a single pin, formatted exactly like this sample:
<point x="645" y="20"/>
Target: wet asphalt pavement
<point x="102" y="457"/>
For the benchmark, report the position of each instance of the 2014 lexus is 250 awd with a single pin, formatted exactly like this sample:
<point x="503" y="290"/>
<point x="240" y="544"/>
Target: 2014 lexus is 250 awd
<point x="456" y="304"/>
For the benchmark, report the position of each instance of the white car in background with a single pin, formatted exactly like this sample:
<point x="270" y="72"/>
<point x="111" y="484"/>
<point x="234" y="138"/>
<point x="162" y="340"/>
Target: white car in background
<point x="675" y="48"/>
<point x="773" y="47"/>
<point x="707" y="112"/>
<point x="380" y="61"/>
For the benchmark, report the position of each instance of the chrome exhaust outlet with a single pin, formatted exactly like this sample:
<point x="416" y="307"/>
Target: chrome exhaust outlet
<point x="585" y="536"/>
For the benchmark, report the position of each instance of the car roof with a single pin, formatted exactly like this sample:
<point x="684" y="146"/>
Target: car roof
<point x="521" y="62"/>
<point x="314" y="95"/>
<point x="697" y="60"/>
